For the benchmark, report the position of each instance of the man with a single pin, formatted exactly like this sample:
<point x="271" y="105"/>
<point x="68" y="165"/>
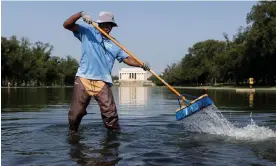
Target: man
<point x="93" y="77"/>
<point x="251" y="82"/>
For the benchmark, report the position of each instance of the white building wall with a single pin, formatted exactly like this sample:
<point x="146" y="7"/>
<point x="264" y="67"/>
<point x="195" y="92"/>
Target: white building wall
<point x="132" y="74"/>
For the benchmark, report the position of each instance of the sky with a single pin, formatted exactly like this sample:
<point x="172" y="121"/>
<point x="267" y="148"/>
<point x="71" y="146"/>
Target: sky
<point x="159" y="33"/>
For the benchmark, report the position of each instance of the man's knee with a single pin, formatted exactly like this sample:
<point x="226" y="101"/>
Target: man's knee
<point x="108" y="108"/>
<point x="110" y="118"/>
<point x="76" y="114"/>
<point x="74" y="117"/>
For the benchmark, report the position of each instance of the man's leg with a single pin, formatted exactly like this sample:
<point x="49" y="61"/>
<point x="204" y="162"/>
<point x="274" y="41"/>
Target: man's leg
<point x="80" y="100"/>
<point x="108" y="108"/>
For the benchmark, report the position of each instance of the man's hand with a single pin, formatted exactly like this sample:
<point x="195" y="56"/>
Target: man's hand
<point x="86" y="17"/>
<point x="145" y="66"/>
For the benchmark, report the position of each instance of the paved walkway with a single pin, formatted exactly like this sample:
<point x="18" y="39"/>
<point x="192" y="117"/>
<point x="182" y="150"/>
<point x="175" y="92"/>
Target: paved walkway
<point x="228" y="88"/>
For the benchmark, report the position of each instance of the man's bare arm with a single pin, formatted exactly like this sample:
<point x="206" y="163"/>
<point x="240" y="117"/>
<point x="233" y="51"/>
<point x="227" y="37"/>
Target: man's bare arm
<point x="70" y="23"/>
<point x="132" y="62"/>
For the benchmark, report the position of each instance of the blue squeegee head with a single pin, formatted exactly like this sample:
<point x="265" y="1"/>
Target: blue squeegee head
<point x="199" y="104"/>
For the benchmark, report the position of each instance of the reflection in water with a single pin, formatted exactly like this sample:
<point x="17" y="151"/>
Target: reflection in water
<point x="133" y="95"/>
<point x="35" y="97"/>
<point x="34" y="125"/>
<point x="251" y="99"/>
<point x="106" y="152"/>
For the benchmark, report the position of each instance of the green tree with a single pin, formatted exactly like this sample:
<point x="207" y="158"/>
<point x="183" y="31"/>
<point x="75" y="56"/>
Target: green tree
<point x="261" y="42"/>
<point x="32" y="64"/>
<point x="251" y="53"/>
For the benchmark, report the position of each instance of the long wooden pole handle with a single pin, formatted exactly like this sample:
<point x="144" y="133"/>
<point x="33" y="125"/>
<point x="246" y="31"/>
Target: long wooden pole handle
<point x="134" y="57"/>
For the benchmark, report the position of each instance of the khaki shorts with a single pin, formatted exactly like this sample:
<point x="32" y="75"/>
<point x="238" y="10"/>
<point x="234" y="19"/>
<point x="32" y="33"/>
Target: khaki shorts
<point x="83" y="90"/>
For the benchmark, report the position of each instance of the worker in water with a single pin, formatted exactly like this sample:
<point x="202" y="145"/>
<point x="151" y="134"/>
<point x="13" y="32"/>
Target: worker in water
<point x="251" y="82"/>
<point x="93" y="77"/>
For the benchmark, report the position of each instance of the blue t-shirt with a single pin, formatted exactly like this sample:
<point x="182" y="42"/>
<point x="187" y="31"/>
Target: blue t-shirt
<point x="98" y="54"/>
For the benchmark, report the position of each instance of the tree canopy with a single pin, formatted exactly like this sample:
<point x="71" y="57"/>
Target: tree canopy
<point x="251" y="53"/>
<point x="31" y="64"/>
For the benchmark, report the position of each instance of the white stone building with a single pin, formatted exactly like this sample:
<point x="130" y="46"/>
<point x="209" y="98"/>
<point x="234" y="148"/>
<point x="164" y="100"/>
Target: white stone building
<point x="133" y="74"/>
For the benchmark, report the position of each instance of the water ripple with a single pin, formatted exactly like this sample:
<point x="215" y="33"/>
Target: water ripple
<point x="35" y="132"/>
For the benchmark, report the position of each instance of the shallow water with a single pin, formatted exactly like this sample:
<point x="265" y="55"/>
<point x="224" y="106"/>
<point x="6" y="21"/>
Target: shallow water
<point x="240" y="130"/>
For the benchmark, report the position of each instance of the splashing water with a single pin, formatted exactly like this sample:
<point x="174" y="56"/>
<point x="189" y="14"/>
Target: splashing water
<point x="213" y="122"/>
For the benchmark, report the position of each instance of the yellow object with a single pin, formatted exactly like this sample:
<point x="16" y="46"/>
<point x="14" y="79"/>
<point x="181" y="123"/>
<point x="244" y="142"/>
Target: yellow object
<point x="92" y="87"/>
<point x="251" y="99"/>
<point x="251" y="80"/>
